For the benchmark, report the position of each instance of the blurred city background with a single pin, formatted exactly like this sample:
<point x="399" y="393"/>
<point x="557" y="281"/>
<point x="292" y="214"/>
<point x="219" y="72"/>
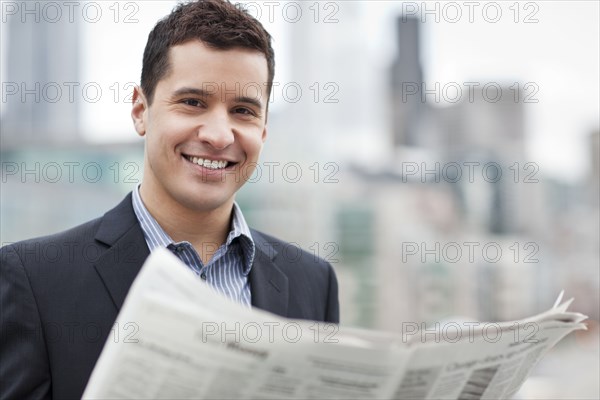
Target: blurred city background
<point x="443" y="157"/>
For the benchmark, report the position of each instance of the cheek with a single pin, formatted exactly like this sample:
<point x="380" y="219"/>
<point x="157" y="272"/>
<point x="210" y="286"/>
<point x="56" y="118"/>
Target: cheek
<point x="165" y="137"/>
<point x="156" y="145"/>
<point x="252" y="143"/>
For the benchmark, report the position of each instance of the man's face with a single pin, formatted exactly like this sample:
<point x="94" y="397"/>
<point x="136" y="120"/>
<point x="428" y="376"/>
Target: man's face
<point x="210" y="109"/>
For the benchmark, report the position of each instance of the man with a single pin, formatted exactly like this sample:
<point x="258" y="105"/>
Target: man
<point x="202" y="109"/>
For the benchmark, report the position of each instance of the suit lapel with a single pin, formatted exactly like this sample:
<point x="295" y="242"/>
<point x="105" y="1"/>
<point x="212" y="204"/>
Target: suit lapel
<point x="269" y="286"/>
<point x="120" y="264"/>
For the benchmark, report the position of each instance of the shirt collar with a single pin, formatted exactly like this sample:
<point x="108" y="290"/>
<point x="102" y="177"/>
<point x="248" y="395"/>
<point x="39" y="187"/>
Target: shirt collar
<point x="156" y="236"/>
<point x="239" y="229"/>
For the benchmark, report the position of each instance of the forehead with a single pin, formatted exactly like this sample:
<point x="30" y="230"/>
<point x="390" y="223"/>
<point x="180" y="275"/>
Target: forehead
<point x="194" y="64"/>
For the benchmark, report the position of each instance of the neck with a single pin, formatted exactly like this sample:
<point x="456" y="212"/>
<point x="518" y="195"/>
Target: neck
<point x="206" y="230"/>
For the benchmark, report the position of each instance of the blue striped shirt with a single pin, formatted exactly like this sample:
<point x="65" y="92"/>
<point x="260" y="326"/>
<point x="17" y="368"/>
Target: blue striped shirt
<point x="228" y="269"/>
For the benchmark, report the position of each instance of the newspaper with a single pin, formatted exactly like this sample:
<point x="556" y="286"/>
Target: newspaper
<point x="177" y="338"/>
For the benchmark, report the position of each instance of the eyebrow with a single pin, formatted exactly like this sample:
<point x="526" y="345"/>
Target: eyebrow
<point x="186" y="91"/>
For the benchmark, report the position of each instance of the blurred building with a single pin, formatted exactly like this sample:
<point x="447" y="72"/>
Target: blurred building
<point x="42" y="87"/>
<point x="377" y="210"/>
<point x="42" y="147"/>
<point x="594" y="174"/>
<point x="37" y="182"/>
<point x="406" y="77"/>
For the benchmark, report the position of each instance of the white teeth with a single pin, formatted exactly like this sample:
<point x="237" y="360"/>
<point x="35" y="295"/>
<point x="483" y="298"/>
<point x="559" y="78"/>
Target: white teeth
<point x="211" y="164"/>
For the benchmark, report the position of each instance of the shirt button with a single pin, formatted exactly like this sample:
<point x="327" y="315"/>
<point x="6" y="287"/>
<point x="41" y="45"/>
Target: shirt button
<point x="203" y="276"/>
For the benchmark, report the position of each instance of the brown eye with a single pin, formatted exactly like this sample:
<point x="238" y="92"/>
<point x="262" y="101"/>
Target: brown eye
<point x="244" y="111"/>
<point x="192" y="102"/>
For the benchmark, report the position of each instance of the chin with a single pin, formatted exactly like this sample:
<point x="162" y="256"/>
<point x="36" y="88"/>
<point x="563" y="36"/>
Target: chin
<point x="205" y="201"/>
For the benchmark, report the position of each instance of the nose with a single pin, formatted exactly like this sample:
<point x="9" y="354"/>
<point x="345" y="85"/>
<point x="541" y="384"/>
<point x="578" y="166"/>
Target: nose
<point x="217" y="130"/>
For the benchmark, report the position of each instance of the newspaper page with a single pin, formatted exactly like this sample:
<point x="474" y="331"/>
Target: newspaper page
<point x="190" y="342"/>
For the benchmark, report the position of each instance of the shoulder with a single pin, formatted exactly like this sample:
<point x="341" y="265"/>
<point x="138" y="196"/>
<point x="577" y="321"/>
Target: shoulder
<point x="283" y="250"/>
<point x="290" y="256"/>
<point x="313" y="287"/>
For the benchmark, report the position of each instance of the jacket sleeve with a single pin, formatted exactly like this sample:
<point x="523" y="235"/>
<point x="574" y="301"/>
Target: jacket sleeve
<point x="333" y="306"/>
<point x="24" y="368"/>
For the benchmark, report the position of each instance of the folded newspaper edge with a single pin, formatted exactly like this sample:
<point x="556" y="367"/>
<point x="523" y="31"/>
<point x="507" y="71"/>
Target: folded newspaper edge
<point x="176" y="337"/>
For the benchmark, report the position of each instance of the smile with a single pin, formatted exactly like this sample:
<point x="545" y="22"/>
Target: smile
<point x="207" y="163"/>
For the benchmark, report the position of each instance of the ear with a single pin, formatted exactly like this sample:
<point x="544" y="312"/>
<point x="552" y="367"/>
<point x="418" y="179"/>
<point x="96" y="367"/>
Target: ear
<point x="264" y="134"/>
<point x="139" y="110"/>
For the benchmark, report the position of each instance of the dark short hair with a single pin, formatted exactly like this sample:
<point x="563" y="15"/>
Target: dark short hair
<point x="216" y="23"/>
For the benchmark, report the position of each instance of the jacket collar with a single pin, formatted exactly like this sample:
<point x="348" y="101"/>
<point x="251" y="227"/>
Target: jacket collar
<point x="268" y="284"/>
<point x="119" y="265"/>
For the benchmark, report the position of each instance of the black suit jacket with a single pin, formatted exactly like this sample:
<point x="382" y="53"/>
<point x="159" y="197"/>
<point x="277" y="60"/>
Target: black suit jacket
<point x="60" y="296"/>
